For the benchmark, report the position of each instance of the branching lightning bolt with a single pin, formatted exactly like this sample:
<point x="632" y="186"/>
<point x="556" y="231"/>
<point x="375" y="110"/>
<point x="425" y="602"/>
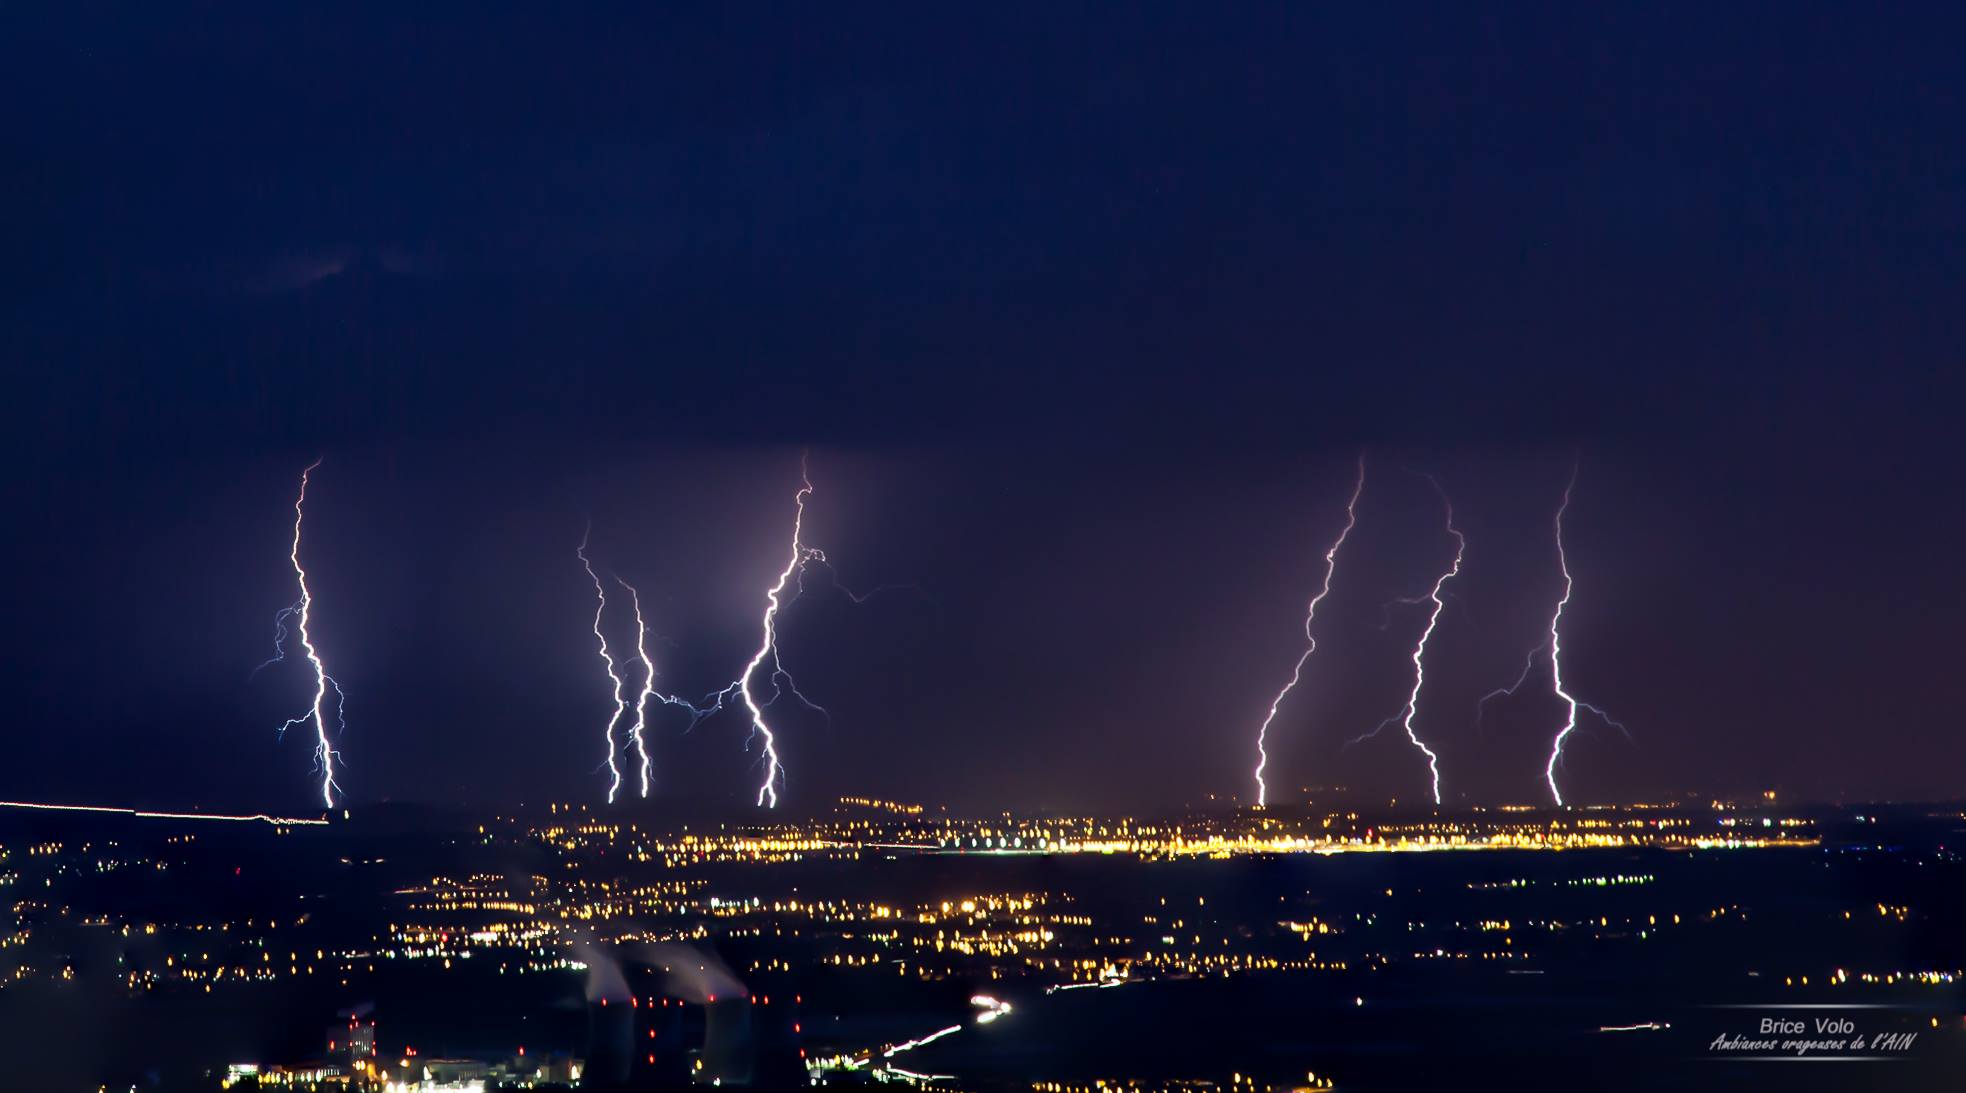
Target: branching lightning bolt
<point x="1310" y="616"/>
<point x="607" y="659"/>
<point x="301" y="613"/>
<point x="1528" y="666"/>
<point x="280" y="634"/>
<point x="648" y="685"/>
<point x="816" y="556"/>
<point x="781" y="680"/>
<point x="1571" y="702"/>
<point x="1405" y="717"/>
<point x="648" y="691"/>
<point x="791" y="578"/>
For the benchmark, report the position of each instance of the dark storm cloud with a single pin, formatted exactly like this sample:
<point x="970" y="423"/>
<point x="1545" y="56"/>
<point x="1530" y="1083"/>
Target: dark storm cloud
<point x="1085" y="314"/>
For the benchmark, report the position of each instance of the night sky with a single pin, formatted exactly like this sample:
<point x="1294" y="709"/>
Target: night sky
<point x="1084" y="315"/>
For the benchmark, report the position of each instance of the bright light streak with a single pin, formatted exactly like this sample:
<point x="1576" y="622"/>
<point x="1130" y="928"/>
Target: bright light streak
<point x="301" y="612"/>
<point x="1648" y="1026"/>
<point x="607" y="659"/>
<point x="917" y="1076"/>
<point x="257" y="817"/>
<point x="768" y="647"/>
<point x="648" y="685"/>
<point x="781" y="680"/>
<point x="1420" y="647"/>
<point x="637" y="734"/>
<point x="1102" y="984"/>
<point x="992" y="1008"/>
<point x="1310" y="616"/>
<point x="911" y="1045"/>
<point x="1571" y="702"/>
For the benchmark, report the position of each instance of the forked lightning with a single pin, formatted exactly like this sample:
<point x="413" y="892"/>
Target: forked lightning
<point x="1310" y="639"/>
<point x="301" y="611"/>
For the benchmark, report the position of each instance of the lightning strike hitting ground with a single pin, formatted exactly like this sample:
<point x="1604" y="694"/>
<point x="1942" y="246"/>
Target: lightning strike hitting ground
<point x="792" y="577"/>
<point x="648" y="690"/>
<point x="301" y="612"/>
<point x="768" y="650"/>
<point x="1310" y="616"/>
<point x="1556" y="648"/>
<point x="1420" y="648"/>
<point x="607" y="659"/>
<point x="648" y="686"/>
<point x="1405" y="717"/>
<point x="1571" y="702"/>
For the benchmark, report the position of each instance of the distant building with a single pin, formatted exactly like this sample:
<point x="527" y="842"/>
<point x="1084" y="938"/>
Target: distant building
<point x="352" y="1041"/>
<point x="610" y="1033"/>
<point x="658" y="1042"/>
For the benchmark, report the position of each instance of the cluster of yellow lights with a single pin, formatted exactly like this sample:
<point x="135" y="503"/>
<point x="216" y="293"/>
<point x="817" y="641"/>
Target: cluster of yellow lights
<point x="1928" y="977"/>
<point x="527" y="918"/>
<point x="1237" y="1083"/>
<point x="895" y="807"/>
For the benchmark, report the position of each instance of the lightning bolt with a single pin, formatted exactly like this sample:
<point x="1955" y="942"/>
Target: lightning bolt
<point x="648" y="685"/>
<point x="791" y="578"/>
<point x="607" y="659"/>
<point x="781" y="681"/>
<point x="768" y="649"/>
<point x="1310" y="616"/>
<point x="816" y="556"/>
<point x="280" y="634"/>
<point x="1528" y="666"/>
<point x="301" y="613"/>
<point x="1571" y="702"/>
<point x="1412" y="708"/>
<point x="648" y="691"/>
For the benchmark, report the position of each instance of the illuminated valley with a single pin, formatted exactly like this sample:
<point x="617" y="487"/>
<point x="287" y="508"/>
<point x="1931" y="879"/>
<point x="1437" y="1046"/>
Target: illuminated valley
<point x="564" y="946"/>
